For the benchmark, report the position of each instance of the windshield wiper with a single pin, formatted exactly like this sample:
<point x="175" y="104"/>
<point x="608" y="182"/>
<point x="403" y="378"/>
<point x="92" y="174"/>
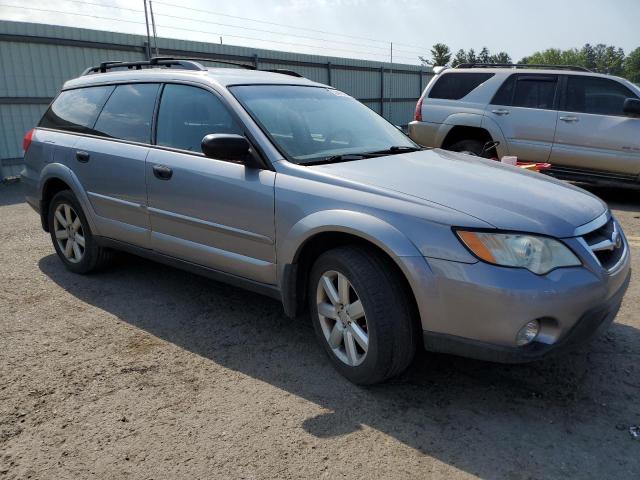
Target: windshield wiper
<point x="396" y="149"/>
<point x="345" y="157"/>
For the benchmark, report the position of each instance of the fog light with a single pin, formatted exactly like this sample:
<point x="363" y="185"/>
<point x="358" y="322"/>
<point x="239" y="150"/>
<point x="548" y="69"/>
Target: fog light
<point x="528" y="333"/>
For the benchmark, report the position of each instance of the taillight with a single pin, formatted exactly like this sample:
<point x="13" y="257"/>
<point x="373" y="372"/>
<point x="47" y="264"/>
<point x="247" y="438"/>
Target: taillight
<point x="418" y="114"/>
<point x="26" y="141"/>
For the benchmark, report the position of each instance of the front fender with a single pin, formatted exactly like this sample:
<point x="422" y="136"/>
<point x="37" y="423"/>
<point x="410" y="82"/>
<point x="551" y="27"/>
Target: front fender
<point x="61" y="172"/>
<point x="374" y="230"/>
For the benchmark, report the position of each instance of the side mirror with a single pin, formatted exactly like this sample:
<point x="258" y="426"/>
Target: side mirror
<point x="631" y="106"/>
<point x="226" y="146"/>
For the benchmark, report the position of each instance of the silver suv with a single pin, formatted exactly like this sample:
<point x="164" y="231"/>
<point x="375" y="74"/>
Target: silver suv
<point x="585" y="124"/>
<point x="295" y="190"/>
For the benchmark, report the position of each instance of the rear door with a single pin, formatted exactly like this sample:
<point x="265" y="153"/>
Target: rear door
<point x="593" y="132"/>
<point x="111" y="162"/>
<point x="525" y="110"/>
<point x="211" y="212"/>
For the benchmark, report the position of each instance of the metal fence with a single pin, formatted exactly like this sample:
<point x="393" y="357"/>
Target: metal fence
<point x="36" y="59"/>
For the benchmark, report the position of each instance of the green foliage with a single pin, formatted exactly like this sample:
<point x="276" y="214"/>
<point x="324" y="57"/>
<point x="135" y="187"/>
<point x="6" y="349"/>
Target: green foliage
<point x="440" y="56"/>
<point x="598" y="58"/>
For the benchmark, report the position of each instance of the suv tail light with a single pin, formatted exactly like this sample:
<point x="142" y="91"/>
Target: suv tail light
<point x="26" y="141"/>
<point x="418" y="113"/>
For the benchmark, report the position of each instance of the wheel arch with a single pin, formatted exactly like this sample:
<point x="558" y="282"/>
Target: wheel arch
<point x="312" y="236"/>
<point x="56" y="177"/>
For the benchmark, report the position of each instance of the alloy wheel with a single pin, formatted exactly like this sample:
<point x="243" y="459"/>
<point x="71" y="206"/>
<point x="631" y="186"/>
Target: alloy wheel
<point x="342" y="318"/>
<point x="69" y="233"/>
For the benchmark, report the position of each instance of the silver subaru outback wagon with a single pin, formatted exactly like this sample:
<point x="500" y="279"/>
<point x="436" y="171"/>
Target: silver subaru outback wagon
<point x="295" y="190"/>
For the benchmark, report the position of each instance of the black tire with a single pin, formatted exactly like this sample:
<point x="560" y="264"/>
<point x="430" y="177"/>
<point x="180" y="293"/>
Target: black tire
<point x="471" y="147"/>
<point x="94" y="257"/>
<point x="389" y="312"/>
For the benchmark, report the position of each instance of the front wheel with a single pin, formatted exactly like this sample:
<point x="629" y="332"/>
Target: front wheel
<point x="362" y="314"/>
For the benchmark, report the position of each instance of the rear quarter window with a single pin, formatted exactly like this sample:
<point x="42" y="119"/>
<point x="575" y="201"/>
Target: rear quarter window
<point x="76" y="110"/>
<point x="454" y="86"/>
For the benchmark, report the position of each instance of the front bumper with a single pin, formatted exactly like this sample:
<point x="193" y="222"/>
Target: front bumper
<point x="480" y="308"/>
<point x="592" y="322"/>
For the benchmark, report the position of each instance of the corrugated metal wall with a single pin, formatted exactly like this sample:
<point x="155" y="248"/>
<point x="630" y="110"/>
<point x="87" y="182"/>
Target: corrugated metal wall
<point x="37" y="59"/>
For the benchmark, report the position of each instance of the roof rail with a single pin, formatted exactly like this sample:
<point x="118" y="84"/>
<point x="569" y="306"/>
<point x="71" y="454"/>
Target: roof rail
<point x="181" y="63"/>
<point x="282" y="71"/>
<point x="155" y="62"/>
<point x="574" y="68"/>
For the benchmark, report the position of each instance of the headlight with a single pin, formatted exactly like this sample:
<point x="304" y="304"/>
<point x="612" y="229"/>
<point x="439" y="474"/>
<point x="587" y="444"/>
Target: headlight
<point x="537" y="254"/>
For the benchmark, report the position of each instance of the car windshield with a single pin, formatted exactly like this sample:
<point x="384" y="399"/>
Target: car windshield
<point x="316" y="124"/>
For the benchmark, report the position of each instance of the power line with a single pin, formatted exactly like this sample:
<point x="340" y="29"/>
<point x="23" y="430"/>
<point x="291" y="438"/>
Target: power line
<point x="287" y="26"/>
<point x="252" y="28"/>
<point x="195" y="31"/>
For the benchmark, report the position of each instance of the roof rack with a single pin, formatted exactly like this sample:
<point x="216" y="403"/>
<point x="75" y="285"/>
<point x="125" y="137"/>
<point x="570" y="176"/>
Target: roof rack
<point x="182" y="63"/>
<point x="155" y="62"/>
<point x="574" y="68"/>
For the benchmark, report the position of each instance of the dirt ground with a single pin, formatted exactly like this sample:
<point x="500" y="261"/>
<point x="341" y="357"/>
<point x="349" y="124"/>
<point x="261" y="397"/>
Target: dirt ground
<point x="148" y="372"/>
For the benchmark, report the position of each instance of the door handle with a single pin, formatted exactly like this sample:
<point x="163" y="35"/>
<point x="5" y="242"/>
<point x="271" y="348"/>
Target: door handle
<point x="162" y="172"/>
<point x="569" y="118"/>
<point x="500" y="111"/>
<point x="82" y="157"/>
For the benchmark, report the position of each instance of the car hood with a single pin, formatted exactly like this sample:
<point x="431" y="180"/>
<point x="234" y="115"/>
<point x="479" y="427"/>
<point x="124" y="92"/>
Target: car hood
<point x="506" y="197"/>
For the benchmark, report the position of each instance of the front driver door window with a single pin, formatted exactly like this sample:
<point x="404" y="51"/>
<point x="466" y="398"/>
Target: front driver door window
<point x="593" y="132"/>
<point x="211" y="212"/>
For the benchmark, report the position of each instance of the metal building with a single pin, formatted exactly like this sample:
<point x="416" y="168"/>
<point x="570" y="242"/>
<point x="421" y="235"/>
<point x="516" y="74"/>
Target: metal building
<point x="36" y="59"/>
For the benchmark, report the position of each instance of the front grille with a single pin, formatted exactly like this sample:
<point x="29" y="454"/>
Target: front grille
<point x="606" y="244"/>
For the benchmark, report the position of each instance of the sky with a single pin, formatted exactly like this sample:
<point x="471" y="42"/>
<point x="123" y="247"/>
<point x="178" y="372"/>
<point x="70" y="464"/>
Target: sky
<point x="358" y="28"/>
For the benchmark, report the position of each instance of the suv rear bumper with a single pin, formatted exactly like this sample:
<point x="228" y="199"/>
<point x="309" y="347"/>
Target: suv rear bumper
<point x="424" y="133"/>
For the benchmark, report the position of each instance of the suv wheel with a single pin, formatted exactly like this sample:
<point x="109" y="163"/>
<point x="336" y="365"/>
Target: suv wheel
<point x="361" y="314"/>
<point x="72" y="237"/>
<point x="471" y="147"/>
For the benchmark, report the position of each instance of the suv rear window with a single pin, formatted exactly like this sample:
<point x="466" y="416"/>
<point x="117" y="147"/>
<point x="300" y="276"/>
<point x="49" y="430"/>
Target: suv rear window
<point x="454" y="86"/>
<point x="528" y="91"/>
<point x="128" y="113"/>
<point x="76" y="110"/>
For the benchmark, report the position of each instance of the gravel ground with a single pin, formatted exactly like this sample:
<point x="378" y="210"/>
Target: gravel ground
<point x="148" y="372"/>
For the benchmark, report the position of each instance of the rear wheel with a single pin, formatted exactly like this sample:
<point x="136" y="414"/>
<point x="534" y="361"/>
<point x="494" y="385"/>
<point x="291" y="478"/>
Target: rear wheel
<point x="361" y="314"/>
<point x="472" y="147"/>
<point x="72" y="237"/>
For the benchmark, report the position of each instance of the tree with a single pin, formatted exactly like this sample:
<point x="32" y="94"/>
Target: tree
<point x="484" y="56"/>
<point x="471" y="56"/>
<point x="588" y="57"/>
<point x="461" y="57"/>
<point x="440" y="56"/>
<point x="632" y="66"/>
<point x="501" y="57"/>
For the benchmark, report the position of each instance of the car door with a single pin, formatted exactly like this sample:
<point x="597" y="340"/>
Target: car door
<point x="110" y="162"/>
<point x="593" y="131"/>
<point x="525" y="110"/>
<point x="212" y="212"/>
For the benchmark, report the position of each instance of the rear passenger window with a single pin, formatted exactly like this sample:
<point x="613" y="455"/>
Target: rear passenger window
<point x="128" y="113"/>
<point x="504" y="95"/>
<point x="454" y="86"/>
<point x="76" y="110"/>
<point x="535" y="92"/>
<point x="187" y="114"/>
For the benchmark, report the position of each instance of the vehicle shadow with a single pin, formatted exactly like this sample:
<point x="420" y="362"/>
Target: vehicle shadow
<point x="627" y="199"/>
<point x="563" y="417"/>
<point x="11" y="193"/>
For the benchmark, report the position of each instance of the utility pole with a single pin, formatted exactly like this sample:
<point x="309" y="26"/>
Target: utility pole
<point x="391" y="84"/>
<point x="153" y="24"/>
<point x="146" y="21"/>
